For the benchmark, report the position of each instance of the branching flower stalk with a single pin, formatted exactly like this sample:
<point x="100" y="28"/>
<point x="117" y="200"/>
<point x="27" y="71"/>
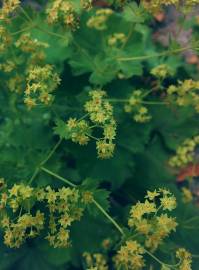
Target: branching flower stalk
<point x="137" y="58"/>
<point x="111" y="220"/>
<point x="162" y="54"/>
<point x="100" y="208"/>
<point x="43" y="162"/>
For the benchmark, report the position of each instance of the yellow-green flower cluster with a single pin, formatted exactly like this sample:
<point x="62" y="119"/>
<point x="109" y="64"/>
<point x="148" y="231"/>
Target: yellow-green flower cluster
<point x="79" y="130"/>
<point x="187" y="196"/>
<point x="32" y="46"/>
<point x="29" y="52"/>
<point x="135" y="106"/>
<point x="185" y="153"/>
<point x="8" y="66"/>
<point x="105" y="149"/>
<point x="185" y="259"/>
<point x="86" y="4"/>
<point x="150" y="218"/>
<point x="41" y="82"/>
<point x="161" y="71"/>
<point x="20" y="220"/>
<point x="117" y="39"/>
<point x="154" y="6"/>
<point x="63" y="209"/>
<point x="8" y="7"/>
<point x="29" y="55"/>
<point x="5" y="39"/>
<point x="99" y="20"/>
<point x="87" y="197"/>
<point x="130" y="256"/>
<point x="185" y="94"/>
<point x="101" y="115"/>
<point x="15" y="83"/>
<point x="96" y="261"/>
<point x="26" y="225"/>
<point x="64" y="12"/>
<point x="100" y="111"/>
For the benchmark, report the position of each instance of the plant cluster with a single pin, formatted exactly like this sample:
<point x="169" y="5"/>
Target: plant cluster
<point x="157" y="5"/>
<point x="20" y="199"/>
<point x="185" y="152"/>
<point x="94" y="113"/>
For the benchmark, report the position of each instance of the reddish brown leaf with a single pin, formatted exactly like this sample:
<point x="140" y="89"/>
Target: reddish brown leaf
<point x="190" y="171"/>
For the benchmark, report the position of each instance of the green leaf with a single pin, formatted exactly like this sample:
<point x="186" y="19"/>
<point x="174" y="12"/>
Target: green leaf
<point x="175" y="124"/>
<point x="61" y="129"/>
<point x="89" y="184"/>
<point x="134" y="13"/>
<point x="91" y="231"/>
<point x="55" y="54"/>
<point x="55" y="256"/>
<point x="139" y="136"/>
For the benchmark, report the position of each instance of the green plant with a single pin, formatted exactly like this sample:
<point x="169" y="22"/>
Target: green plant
<point x="94" y="115"/>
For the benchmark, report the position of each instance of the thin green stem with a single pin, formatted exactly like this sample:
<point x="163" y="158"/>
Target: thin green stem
<point x="159" y="208"/>
<point x="153" y="103"/>
<point x="29" y="19"/>
<point x="109" y="217"/>
<point x="91" y="127"/>
<point x="141" y="102"/>
<point x="128" y="37"/>
<point x="145" y="57"/>
<point x="191" y="219"/>
<point x="37" y="170"/>
<point x="51" y="152"/>
<point x="23" y="30"/>
<point x="25" y="14"/>
<point x="122" y="100"/>
<point x="49" y="32"/>
<point x="34" y="175"/>
<point x="159" y="261"/>
<point x="20" y="211"/>
<point x="66" y="181"/>
<point x="135" y="235"/>
<point x="83" y="117"/>
<point x="92" y="137"/>
<point x="195" y="255"/>
<point x="147" y="93"/>
<point x="154" y="257"/>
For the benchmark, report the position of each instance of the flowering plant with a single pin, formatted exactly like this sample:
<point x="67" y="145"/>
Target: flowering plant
<point x="97" y="119"/>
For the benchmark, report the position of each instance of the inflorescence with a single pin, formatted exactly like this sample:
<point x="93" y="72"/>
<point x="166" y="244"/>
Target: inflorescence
<point x="21" y="219"/>
<point x="99" y="112"/>
<point x="185" y="153"/>
<point x="135" y="106"/>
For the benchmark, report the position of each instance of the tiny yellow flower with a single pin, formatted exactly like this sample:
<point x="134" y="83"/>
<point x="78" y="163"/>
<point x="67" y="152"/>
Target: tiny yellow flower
<point x="151" y="195"/>
<point x="168" y="203"/>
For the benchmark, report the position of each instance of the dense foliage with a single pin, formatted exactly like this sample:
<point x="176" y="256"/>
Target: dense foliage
<point x="97" y="120"/>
